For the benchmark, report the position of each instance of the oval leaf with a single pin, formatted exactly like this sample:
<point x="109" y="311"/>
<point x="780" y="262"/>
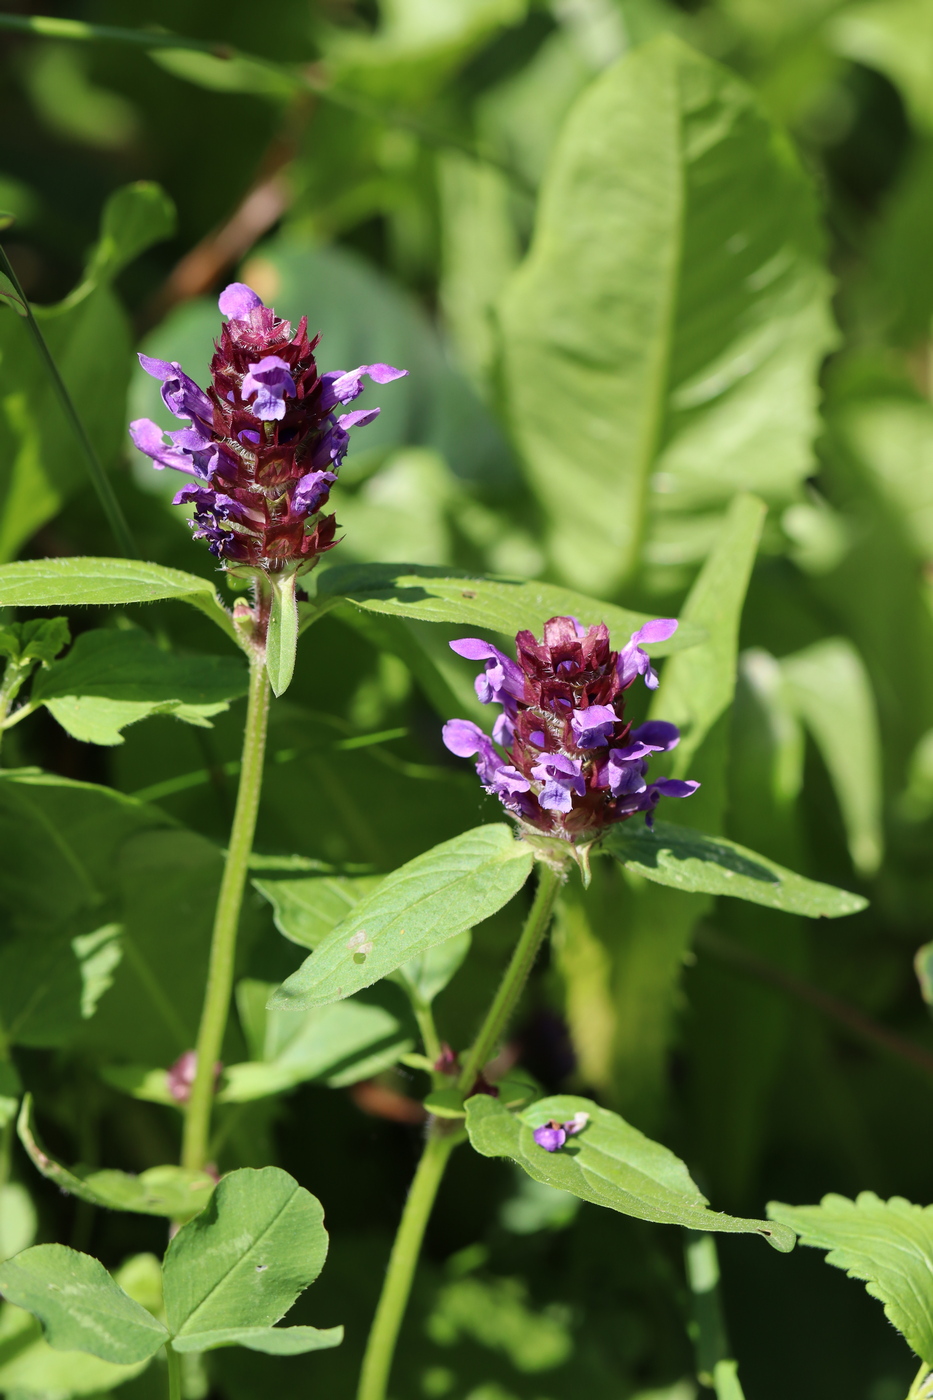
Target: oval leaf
<point x="499" y="605"/>
<point x="699" y="864"/>
<point x="243" y="1261"/>
<point x="80" y="1305"/>
<point x="886" y="1244"/>
<point x="432" y="898"/>
<point x="609" y="1163"/>
<point x="62" y="583"/>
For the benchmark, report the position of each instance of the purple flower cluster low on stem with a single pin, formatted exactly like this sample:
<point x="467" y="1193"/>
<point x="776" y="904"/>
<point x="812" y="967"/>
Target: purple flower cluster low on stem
<point x="264" y="443"/>
<point x="562" y="758"/>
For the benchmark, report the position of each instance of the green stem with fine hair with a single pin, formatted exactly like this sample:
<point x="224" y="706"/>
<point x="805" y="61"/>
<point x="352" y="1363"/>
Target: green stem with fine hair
<point x="174" y="1372"/>
<point x="380" y="1346"/>
<point x="99" y="478"/>
<point x="923" y="1384"/>
<point x="443" y="1137"/>
<point x="217" y="994"/>
<point x="516" y="975"/>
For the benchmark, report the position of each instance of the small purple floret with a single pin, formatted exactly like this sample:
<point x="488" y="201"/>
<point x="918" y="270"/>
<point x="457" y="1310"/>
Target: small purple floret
<point x="237" y="301"/>
<point x="550" y="1136"/>
<point x="270" y="382"/>
<point x="635" y="662"/>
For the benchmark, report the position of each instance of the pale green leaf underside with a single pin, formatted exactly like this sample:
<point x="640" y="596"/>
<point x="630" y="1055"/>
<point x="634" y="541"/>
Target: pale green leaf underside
<point x="699" y="864"/>
<point x="498" y="605"/>
<point x="63" y="583"/>
<point x="274" y="1341"/>
<point x="243" y="1261"/>
<point x="609" y="1163"/>
<point x="886" y="1244"/>
<point x="80" y="1305"/>
<point x="175" y="1192"/>
<point x="432" y="898"/>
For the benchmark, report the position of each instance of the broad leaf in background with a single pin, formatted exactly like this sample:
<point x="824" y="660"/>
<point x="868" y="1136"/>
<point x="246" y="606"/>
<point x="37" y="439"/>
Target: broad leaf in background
<point x="89" y="337"/>
<point x="886" y="1244"/>
<point x="339" y="1044"/>
<point x="232" y="1272"/>
<point x="431" y="899"/>
<point x="171" y="1191"/>
<point x="831" y="692"/>
<point x="700" y="864"/>
<point x="80" y="1305"/>
<point x="637" y="357"/>
<point x="655" y="925"/>
<point x="499" y="605"/>
<point x="608" y="1162"/>
<point x="111" y="679"/>
<point x="892" y="36"/>
<point x="62" y="583"/>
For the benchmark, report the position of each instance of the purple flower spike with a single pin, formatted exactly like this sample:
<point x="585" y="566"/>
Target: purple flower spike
<point x="593" y="726"/>
<point x="270" y="381"/>
<point x="237" y="301"/>
<point x="635" y="662"/>
<point x="572" y="765"/>
<point x="263" y="438"/>
<point x="551" y="1136"/>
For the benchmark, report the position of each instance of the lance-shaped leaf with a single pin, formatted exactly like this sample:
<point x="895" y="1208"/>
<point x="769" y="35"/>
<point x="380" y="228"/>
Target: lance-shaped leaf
<point x="431" y="899"/>
<point x="886" y="1244"/>
<point x="63" y="583"/>
<point x="497" y="604"/>
<point x="175" y="1192"/>
<point x="662" y="339"/>
<point x="80" y="1305"/>
<point x="609" y="1163"/>
<point x="110" y="679"/>
<point x="700" y="864"/>
<point x="282" y="640"/>
<point x="232" y="1272"/>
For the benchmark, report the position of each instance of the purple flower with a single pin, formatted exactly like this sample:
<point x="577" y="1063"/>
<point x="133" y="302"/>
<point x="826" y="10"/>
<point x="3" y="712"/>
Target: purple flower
<point x="502" y="680"/>
<point x="635" y="662"/>
<point x="271" y="382"/>
<point x="180" y="1076"/>
<point x="552" y="1136"/>
<point x="647" y="800"/>
<point x="561" y="777"/>
<point x="237" y="301"/>
<point x="657" y="734"/>
<point x="342" y="386"/>
<point x="593" y="726"/>
<point x="263" y="437"/>
<point x="464" y="738"/>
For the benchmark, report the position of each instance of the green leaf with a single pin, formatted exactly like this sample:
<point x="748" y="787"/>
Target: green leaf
<point x="274" y="1341"/>
<point x="830" y="689"/>
<point x="700" y="864"/>
<point x="425" y="976"/>
<point x="111" y="679"/>
<point x="431" y="899"/>
<point x="497" y="604"/>
<point x="238" y="73"/>
<point x="340" y="1044"/>
<point x="63" y="583"/>
<point x="663" y="337"/>
<point x="892" y="36"/>
<point x="175" y="1192"/>
<point x="36" y="640"/>
<point x="609" y="1163"/>
<point x="134" y="218"/>
<point x="306" y="910"/>
<point x="79" y="1304"/>
<point x="282" y="639"/>
<point x="697" y="687"/>
<point x="244" y="1260"/>
<point x="886" y="1244"/>
<point x="30" y="1367"/>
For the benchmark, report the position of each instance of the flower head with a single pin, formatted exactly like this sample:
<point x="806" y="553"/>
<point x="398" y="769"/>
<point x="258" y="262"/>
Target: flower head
<point x="572" y="765"/>
<point x="262" y="443"/>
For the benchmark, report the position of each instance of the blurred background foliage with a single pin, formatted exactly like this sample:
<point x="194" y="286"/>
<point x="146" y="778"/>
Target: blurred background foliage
<point x="620" y="303"/>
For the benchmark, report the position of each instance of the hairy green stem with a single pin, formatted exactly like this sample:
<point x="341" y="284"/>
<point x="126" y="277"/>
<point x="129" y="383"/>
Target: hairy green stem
<point x="920" y="1390"/>
<point x="174" y="1372"/>
<point x="226" y="921"/>
<point x="99" y="478"/>
<point x="429" y="1036"/>
<point x="516" y="975"/>
<point x="380" y="1347"/>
